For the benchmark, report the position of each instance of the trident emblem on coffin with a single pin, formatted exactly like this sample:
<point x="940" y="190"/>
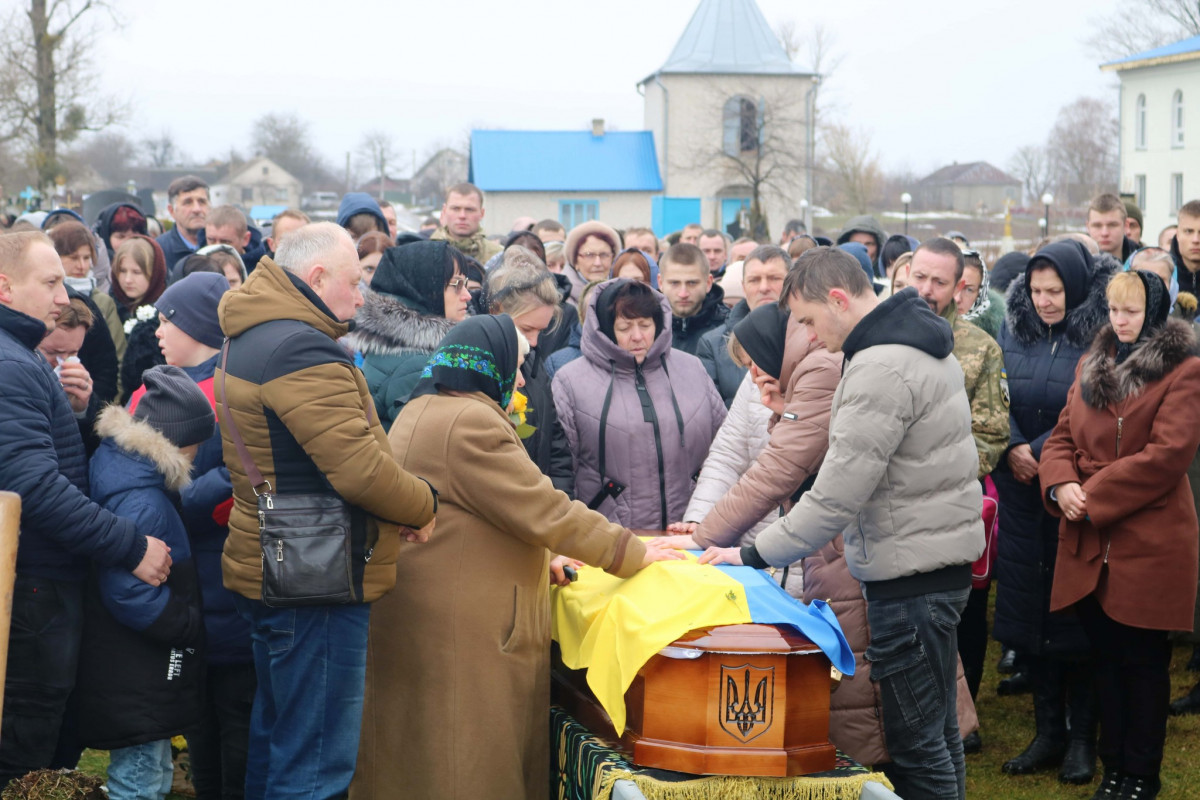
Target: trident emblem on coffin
<point x="747" y="695"/>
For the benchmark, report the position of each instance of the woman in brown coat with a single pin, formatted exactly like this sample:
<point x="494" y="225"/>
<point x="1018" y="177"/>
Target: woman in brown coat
<point x="458" y="662"/>
<point x="1115" y="470"/>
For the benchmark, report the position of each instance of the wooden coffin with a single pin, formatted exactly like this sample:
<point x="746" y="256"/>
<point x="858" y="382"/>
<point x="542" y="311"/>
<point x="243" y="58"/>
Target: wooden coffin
<point x="728" y="700"/>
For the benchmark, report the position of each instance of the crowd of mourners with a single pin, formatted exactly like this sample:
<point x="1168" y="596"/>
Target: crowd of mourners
<point x="886" y="424"/>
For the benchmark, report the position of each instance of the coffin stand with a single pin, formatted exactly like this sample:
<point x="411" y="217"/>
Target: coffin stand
<point x="727" y="700"/>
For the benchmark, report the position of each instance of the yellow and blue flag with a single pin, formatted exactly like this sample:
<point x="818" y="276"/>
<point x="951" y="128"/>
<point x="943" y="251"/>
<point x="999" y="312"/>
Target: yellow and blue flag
<point x="612" y="626"/>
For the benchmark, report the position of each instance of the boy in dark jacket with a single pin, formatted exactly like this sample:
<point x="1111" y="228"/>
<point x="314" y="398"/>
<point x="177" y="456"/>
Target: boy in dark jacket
<point x="140" y="678"/>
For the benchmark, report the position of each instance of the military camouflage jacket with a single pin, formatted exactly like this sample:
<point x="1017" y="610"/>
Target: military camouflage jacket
<point x="982" y="364"/>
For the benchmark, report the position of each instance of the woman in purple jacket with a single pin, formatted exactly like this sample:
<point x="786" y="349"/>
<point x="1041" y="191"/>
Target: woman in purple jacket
<point x="638" y="415"/>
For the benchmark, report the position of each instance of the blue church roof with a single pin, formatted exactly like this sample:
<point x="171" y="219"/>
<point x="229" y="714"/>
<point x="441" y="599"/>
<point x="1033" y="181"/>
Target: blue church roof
<point x="729" y="37"/>
<point x="1169" y="52"/>
<point x="564" y="161"/>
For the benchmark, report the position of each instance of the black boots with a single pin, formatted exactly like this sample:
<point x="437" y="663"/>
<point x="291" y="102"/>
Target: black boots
<point x="1188" y="704"/>
<point x="1118" y="785"/>
<point x="1140" y="787"/>
<point x="1079" y="762"/>
<point x="1050" y="743"/>
<point x="1110" y="785"/>
<point x="1017" y="683"/>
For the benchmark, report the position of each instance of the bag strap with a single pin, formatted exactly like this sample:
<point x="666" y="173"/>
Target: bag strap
<point x="256" y="477"/>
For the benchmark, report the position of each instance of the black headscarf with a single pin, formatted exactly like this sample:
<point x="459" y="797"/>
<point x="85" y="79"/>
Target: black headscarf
<point x="478" y="355"/>
<point x="1074" y="265"/>
<point x="1158" y="310"/>
<point x="763" y="335"/>
<point x="415" y="274"/>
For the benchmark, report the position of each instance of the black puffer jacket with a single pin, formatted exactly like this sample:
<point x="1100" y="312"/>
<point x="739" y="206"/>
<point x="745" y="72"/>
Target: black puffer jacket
<point x="547" y="445"/>
<point x="1040" y="363"/>
<point x="42" y="459"/>
<point x="686" y="331"/>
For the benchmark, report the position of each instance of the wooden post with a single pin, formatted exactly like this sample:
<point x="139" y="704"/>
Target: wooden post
<point x="10" y="527"/>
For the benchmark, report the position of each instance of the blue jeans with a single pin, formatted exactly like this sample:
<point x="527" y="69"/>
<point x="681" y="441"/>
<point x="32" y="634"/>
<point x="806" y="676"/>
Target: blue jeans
<point x="141" y="772"/>
<point x="914" y="659"/>
<point x="311" y="665"/>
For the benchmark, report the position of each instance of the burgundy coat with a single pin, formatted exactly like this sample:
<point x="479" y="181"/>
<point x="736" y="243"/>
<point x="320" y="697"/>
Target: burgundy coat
<point x="1127" y="435"/>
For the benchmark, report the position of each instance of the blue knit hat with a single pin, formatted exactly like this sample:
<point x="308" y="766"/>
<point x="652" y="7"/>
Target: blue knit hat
<point x="191" y="305"/>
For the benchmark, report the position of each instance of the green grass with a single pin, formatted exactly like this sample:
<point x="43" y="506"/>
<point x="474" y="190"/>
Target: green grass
<point x="1006" y="725"/>
<point x="95" y="762"/>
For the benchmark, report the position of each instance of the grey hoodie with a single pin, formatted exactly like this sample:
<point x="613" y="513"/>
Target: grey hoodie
<point x="899" y="477"/>
<point x="655" y="462"/>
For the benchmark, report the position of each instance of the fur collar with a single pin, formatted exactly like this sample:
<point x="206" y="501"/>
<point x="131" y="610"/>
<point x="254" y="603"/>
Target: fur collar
<point x="1103" y="382"/>
<point x="1081" y="323"/>
<point x="139" y="437"/>
<point x="385" y="326"/>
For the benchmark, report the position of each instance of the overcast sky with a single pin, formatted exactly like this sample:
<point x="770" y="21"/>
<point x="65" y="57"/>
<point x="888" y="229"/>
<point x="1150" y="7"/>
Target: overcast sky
<point x="934" y="81"/>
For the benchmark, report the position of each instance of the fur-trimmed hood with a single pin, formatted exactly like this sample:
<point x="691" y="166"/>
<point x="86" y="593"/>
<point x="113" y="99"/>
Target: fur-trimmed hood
<point x="1081" y="323"/>
<point x="139" y="437"/>
<point x="386" y="326"/>
<point x="1103" y="382"/>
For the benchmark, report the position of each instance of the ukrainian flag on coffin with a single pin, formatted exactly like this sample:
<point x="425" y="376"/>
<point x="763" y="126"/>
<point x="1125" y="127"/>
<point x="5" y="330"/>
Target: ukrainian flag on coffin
<point x="612" y="626"/>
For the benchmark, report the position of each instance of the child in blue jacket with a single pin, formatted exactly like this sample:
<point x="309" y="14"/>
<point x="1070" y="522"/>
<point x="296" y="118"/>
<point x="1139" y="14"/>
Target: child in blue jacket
<point x="140" y="673"/>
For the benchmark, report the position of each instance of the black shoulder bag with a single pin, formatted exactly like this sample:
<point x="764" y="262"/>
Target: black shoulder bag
<point x="305" y="538"/>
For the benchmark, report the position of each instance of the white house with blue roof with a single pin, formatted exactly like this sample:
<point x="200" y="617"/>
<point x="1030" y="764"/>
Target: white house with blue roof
<point x="571" y="176"/>
<point x="1160" y="129"/>
<point x="726" y="106"/>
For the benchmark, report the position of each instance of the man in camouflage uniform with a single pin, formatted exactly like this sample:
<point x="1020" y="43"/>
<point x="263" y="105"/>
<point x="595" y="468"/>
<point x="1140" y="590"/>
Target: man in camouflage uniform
<point x="937" y="275"/>
<point x="462" y="214"/>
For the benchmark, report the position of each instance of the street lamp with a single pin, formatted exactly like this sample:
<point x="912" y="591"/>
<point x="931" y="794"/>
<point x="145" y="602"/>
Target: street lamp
<point x="1042" y="225"/>
<point x="1047" y="199"/>
<point x="906" y="198"/>
<point x="805" y="216"/>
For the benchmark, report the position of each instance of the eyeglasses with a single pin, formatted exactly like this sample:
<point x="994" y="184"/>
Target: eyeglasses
<point x="458" y="283"/>
<point x="603" y="258"/>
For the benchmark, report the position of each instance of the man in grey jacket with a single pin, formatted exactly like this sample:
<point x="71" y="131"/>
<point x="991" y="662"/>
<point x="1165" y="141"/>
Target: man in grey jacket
<point x="899" y="483"/>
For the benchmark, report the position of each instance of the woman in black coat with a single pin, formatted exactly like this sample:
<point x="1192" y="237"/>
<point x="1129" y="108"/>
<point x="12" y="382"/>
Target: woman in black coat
<point x="523" y="288"/>
<point x="1053" y="312"/>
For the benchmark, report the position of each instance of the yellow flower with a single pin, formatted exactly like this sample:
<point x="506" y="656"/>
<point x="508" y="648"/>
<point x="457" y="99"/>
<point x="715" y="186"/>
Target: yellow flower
<point x="520" y="402"/>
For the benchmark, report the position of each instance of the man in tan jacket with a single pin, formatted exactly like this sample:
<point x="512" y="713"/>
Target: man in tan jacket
<point x="309" y="426"/>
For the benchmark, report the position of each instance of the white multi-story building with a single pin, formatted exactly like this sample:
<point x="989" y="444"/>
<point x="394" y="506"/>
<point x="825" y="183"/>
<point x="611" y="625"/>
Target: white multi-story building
<point x="1160" y="130"/>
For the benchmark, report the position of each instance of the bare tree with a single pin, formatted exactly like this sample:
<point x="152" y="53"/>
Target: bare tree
<point x="1136" y="27"/>
<point x="161" y="151"/>
<point x="286" y="139"/>
<point x="852" y="168"/>
<point x="1083" y="148"/>
<point x="108" y="153"/>
<point x="444" y="166"/>
<point x="1033" y="166"/>
<point x="48" y="94"/>
<point x="818" y="52"/>
<point x="377" y="150"/>
<point x="761" y="151"/>
<point x="790" y="38"/>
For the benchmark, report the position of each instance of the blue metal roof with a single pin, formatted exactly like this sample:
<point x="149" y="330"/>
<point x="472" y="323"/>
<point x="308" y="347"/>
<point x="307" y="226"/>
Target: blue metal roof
<point x="1181" y="48"/>
<point x="729" y="37"/>
<point x="564" y="161"/>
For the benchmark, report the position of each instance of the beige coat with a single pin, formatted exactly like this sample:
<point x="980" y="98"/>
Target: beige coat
<point x="458" y="661"/>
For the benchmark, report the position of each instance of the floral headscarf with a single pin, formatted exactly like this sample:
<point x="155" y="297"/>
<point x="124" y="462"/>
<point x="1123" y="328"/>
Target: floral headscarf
<point x="479" y="355"/>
